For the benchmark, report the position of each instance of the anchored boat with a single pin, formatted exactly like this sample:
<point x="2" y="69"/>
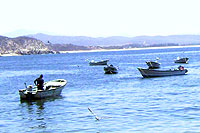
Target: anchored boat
<point x="103" y="62"/>
<point x="147" y="73"/>
<point x="153" y="64"/>
<point x="110" y="69"/>
<point x="51" y="89"/>
<point x="181" y="60"/>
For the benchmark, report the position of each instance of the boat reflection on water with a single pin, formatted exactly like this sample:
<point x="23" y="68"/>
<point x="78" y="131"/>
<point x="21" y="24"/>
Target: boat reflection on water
<point x="37" y="113"/>
<point x="39" y="102"/>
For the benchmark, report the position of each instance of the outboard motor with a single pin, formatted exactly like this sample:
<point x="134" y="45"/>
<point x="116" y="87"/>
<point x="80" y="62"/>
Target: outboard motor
<point x="29" y="88"/>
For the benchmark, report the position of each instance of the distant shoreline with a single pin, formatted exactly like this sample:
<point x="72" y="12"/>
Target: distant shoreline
<point x="11" y="54"/>
<point x="105" y="50"/>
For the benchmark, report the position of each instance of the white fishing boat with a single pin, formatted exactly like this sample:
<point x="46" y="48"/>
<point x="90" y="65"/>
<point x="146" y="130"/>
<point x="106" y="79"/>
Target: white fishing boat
<point x="94" y="63"/>
<point x="51" y="89"/>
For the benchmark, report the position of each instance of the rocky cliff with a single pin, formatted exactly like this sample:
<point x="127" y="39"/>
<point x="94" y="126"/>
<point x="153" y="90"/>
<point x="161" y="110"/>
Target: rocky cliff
<point x="23" y="46"/>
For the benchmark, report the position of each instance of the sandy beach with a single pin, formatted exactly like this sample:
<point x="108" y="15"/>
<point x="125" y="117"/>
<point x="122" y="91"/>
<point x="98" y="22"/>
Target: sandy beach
<point x="104" y="50"/>
<point x="12" y="54"/>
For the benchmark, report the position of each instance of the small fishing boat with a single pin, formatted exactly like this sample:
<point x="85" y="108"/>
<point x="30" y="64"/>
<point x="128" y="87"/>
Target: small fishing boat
<point x="51" y="89"/>
<point x="153" y="64"/>
<point x="103" y="62"/>
<point x="110" y="69"/>
<point x="147" y="73"/>
<point x="181" y="60"/>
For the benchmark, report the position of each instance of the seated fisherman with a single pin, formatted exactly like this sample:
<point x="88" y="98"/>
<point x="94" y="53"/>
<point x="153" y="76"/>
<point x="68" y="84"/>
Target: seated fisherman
<point x="181" y="68"/>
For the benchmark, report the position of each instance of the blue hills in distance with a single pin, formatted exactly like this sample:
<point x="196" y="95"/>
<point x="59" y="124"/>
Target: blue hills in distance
<point x="118" y="40"/>
<point x="108" y="41"/>
<point x="57" y="43"/>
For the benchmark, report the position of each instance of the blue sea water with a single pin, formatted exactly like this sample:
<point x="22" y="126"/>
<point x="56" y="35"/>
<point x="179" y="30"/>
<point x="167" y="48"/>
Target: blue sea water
<point x="125" y="101"/>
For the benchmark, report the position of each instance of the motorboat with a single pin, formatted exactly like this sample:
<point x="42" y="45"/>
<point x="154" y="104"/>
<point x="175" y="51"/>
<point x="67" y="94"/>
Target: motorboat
<point x="110" y="69"/>
<point x="153" y="64"/>
<point x="51" y="89"/>
<point x="147" y="73"/>
<point x="94" y="63"/>
<point x="181" y="60"/>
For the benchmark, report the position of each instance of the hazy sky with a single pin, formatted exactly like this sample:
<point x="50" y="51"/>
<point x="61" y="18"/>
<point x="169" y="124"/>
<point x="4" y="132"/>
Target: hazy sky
<point x="101" y="18"/>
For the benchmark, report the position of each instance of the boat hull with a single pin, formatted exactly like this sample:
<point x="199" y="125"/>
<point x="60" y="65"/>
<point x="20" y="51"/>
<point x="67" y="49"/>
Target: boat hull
<point x="52" y="91"/>
<point x="41" y="94"/>
<point x="147" y="73"/>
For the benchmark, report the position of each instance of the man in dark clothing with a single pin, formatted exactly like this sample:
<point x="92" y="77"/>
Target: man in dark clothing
<point x="39" y="82"/>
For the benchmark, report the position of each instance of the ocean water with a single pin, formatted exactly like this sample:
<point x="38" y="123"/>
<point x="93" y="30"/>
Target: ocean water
<point x="125" y="101"/>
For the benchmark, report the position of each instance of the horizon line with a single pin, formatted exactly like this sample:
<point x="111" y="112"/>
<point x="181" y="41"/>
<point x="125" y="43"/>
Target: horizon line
<point x="50" y="34"/>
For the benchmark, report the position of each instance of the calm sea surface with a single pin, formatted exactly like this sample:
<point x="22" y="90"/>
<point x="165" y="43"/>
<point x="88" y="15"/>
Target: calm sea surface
<point x="126" y="101"/>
